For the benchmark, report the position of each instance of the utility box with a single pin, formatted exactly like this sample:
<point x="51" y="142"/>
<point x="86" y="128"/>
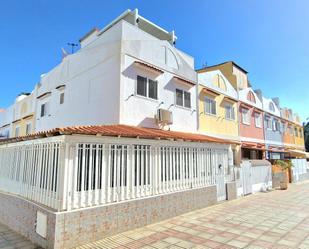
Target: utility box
<point x="41" y="224"/>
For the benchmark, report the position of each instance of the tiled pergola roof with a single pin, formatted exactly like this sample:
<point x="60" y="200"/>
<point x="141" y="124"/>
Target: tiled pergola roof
<point x="122" y="131"/>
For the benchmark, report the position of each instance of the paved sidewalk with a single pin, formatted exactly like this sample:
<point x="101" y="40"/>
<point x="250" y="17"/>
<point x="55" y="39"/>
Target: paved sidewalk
<point x="279" y="219"/>
<point x="11" y="240"/>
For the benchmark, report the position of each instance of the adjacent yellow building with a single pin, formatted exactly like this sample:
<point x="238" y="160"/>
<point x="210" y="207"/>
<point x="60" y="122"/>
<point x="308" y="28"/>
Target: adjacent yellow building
<point x="217" y="101"/>
<point x="23" y="113"/>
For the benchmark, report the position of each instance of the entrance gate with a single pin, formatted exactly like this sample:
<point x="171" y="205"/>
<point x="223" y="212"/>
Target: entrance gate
<point x="246" y="175"/>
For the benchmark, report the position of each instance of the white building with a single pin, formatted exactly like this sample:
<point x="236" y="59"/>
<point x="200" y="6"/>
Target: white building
<point x="19" y="118"/>
<point x="123" y="74"/>
<point x="6" y="119"/>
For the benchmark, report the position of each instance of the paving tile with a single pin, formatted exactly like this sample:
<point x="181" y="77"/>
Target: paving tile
<point x="237" y="243"/>
<point x="213" y="244"/>
<point x="160" y="245"/>
<point x="185" y="244"/>
<point x="287" y="243"/>
<point x="172" y="240"/>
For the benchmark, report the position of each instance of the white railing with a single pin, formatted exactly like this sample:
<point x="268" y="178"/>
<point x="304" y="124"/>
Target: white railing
<point x="300" y="167"/>
<point x="261" y="174"/>
<point x="253" y="178"/>
<point x="32" y="170"/>
<point x="80" y="171"/>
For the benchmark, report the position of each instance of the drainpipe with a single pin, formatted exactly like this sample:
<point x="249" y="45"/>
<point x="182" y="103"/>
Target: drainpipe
<point x="197" y="103"/>
<point x="238" y="120"/>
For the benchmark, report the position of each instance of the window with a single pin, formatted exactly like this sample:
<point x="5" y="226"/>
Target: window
<point x="284" y="127"/>
<point x="258" y="120"/>
<point x="210" y="106"/>
<point x="44" y="109"/>
<point x="268" y="122"/>
<point x="271" y="107"/>
<point x="147" y="87"/>
<point x="183" y="98"/>
<point x="276" y="125"/>
<point x="16" y="131"/>
<point x="300" y="132"/>
<point x="153" y="89"/>
<point x="61" y="100"/>
<point x="229" y="112"/>
<point x="245" y="116"/>
<point x="251" y="97"/>
<point x="187" y="97"/>
<point x="296" y="132"/>
<point x="28" y="128"/>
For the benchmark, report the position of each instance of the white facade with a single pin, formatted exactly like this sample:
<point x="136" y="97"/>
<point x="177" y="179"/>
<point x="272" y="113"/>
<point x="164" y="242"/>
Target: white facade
<point x="99" y="81"/>
<point x="206" y="79"/>
<point x="270" y="106"/>
<point x="6" y="119"/>
<point x="136" y="110"/>
<point x="243" y="94"/>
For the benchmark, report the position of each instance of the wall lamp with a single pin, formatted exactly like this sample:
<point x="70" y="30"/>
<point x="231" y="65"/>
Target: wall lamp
<point x="129" y="97"/>
<point x="161" y="103"/>
<point x="170" y="106"/>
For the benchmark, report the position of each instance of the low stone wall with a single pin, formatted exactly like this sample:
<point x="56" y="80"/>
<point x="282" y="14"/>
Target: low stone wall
<point x="79" y="227"/>
<point x="20" y="215"/>
<point x="73" y="228"/>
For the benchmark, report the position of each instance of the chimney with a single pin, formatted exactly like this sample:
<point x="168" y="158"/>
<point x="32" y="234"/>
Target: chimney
<point x="258" y="92"/>
<point x="276" y="101"/>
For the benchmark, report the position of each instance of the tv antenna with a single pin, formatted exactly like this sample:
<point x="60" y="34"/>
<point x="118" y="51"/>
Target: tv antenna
<point x="72" y="46"/>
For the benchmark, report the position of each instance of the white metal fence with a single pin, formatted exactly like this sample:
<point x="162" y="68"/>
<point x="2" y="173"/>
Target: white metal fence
<point x="300" y="167"/>
<point x="32" y="171"/>
<point x="77" y="171"/>
<point x="261" y="174"/>
<point x="252" y="179"/>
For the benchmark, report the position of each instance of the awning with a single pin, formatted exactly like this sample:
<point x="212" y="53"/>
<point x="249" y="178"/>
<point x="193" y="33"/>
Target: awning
<point x="298" y="153"/>
<point x="279" y="149"/>
<point x="251" y="145"/>
<point x="184" y="81"/>
<point x="210" y="91"/>
<point x="230" y="99"/>
<point x="148" y="67"/>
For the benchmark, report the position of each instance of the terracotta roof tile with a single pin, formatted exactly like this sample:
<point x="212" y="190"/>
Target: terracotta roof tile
<point x="123" y="131"/>
<point x="150" y="66"/>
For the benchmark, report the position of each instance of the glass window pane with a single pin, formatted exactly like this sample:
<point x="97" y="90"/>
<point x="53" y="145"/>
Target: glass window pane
<point x="61" y="98"/>
<point x="187" y="96"/>
<point x="228" y="111"/>
<point x="141" y="86"/>
<point x="207" y="105"/>
<point x="245" y="116"/>
<point x="179" y="97"/>
<point x="153" y="89"/>
<point x="43" y="110"/>
<point x="213" y="107"/>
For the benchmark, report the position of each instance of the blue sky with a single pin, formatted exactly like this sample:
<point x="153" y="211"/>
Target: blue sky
<point x="270" y="39"/>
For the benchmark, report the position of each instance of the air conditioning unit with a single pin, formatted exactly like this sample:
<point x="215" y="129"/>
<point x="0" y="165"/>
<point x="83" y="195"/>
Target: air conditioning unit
<point x="164" y="116"/>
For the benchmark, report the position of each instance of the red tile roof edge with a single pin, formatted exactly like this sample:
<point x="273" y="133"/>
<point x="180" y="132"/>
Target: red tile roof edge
<point x="122" y="131"/>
